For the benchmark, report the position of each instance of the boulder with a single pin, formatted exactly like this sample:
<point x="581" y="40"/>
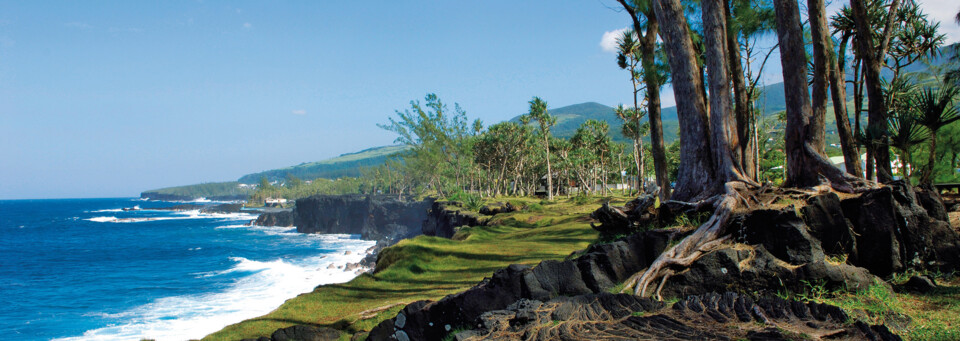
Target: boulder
<point x="497" y="208"/>
<point x="921" y="284"/>
<point x="281" y="218"/>
<point x="781" y="232"/>
<point x="895" y="231"/>
<point x="823" y="215"/>
<point x="305" y="333"/>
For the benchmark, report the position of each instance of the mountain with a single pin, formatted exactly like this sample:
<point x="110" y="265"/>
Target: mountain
<point x="345" y="165"/>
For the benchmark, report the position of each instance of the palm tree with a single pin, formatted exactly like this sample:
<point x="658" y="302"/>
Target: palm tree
<point x="538" y="111"/>
<point x="936" y="109"/>
<point x="905" y="132"/>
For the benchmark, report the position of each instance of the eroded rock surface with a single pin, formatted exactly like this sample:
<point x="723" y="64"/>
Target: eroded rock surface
<point x="711" y="316"/>
<point x="444" y="217"/>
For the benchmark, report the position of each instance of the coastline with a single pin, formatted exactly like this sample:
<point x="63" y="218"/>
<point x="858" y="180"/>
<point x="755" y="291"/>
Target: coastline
<point x="150" y="272"/>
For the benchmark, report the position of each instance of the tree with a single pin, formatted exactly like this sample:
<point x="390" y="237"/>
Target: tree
<point x="724" y="129"/>
<point x="936" y="109"/>
<point x="538" y="112"/>
<point x="695" y="177"/>
<point x="630" y="129"/>
<point x="828" y="72"/>
<point x="439" y="155"/>
<point x="905" y="133"/>
<point x="805" y="164"/>
<point x="628" y="57"/>
<point x="873" y="56"/>
<point x="646" y="26"/>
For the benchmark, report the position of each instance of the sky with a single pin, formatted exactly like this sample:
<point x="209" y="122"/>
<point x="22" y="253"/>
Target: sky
<point x="111" y="98"/>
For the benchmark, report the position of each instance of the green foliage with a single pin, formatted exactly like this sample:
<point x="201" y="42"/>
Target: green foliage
<point x="469" y="201"/>
<point x="440" y="153"/>
<point x="295" y="189"/>
<point x="206" y="190"/>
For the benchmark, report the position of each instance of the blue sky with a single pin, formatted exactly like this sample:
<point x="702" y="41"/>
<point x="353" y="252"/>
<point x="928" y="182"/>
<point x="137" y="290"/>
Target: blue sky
<point x="110" y="98"/>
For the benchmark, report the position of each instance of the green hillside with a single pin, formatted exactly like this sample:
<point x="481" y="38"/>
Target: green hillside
<point x="230" y="190"/>
<point x="570" y="117"/>
<point x="346" y="165"/>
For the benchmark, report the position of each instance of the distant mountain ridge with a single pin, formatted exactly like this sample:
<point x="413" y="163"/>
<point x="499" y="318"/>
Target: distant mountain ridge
<point x="345" y="165"/>
<point x="569" y="118"/>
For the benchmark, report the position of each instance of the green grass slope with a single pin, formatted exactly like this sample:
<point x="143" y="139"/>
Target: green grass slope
<point x="346" y="165"/>
<point x="431" y="268"/>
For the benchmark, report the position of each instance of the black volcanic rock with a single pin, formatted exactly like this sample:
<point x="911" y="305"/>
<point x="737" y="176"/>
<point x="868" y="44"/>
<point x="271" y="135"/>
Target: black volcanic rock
<point x="896" y="231"/>
<point x="372" y="217"/>
<point x="773" y="250"/>
<point x="223" y="208"/>
<point x="824" y="215"/>
<point x="281" y="218"/>
<point x="444" y="218"/>
<point x="710" y="316"/>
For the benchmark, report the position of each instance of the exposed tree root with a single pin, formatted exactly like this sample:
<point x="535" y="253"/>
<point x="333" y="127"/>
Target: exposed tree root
<point x="706" y="238"/>
<point x="711" y="235"/>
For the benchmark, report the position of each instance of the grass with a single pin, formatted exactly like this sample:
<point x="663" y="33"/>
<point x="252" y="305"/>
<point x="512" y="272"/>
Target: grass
<point x="915" y="316"/>
<point x="429" y="268"/>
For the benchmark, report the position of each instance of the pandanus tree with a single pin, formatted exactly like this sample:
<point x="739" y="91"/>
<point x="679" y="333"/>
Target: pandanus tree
<point x="628" y="58"/>
<point x="646" y="27"/>
<point x="935" y="110"/>
<point x="538" y="112"/>
<point x="631" y="120"/>
<point x="904" y="134"/>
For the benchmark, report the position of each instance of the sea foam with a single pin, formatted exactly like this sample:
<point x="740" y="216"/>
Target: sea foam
<point x="260" y="288"/>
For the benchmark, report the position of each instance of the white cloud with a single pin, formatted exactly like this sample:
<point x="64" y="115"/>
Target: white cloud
<point x="944" y="11"/>
<point x="299" y="112"/>
<point x="247" y="25"/>
<point x="608" y="43"/>
<point x="77" y="24"/>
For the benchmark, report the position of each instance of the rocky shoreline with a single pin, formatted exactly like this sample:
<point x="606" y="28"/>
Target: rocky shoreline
<point x="846" y="243"/>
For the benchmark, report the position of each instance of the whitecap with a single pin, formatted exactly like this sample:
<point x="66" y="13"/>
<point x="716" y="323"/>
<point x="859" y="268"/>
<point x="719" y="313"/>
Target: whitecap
<point x="264" y="285"/>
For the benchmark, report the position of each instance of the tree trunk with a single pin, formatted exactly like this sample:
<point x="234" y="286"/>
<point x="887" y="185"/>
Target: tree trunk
<point x="695" y="176"/>
<point x="657" y="147"/>
<point x="821" y="54"/>
<point x="648" y="45"/>
<point x="546" y="140"/>
<point x="741" y="98"/>
<point x="872" y="59"/>
<point x="804" y="162"/>
<point x="838" y="92"/>
<point x="928" y="175"/>
<point x="727" y="153"/>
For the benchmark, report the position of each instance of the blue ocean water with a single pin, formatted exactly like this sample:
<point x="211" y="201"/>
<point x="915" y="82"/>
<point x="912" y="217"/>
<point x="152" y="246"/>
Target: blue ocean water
<point x="83" y="269"/>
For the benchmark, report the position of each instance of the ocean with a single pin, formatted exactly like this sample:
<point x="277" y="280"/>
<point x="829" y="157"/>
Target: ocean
<point x="84" y="269"/>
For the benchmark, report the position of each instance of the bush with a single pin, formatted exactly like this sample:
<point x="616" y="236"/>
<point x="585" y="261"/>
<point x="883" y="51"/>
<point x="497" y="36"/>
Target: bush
<point x="469" y="201"/>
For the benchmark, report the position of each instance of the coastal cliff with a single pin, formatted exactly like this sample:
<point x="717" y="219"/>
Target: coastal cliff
<point x="379" y="218"/>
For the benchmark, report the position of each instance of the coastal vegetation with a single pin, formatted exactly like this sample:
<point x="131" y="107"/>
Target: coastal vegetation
<point x="432" y="267"/>
<point x="205" y="190"/>
<point x="730" y="161"/>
